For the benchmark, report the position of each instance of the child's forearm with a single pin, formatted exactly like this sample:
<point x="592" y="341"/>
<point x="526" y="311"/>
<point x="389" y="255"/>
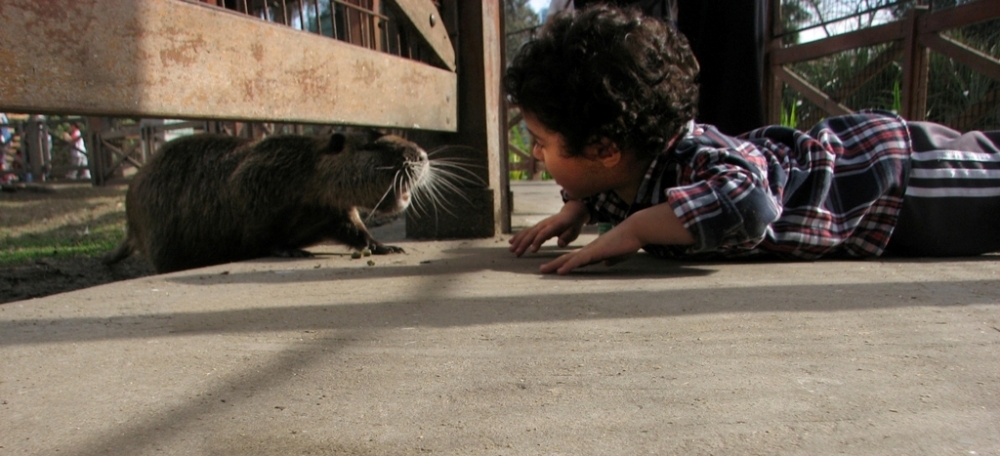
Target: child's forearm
<point x="657" y="225"/>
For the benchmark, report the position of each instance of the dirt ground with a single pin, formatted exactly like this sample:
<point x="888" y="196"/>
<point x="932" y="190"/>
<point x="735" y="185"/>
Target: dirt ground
<point x="70" y="206"/>
<point x="53" y="276"/>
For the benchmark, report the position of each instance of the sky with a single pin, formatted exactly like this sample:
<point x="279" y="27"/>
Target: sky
<point x="538" y="4"/>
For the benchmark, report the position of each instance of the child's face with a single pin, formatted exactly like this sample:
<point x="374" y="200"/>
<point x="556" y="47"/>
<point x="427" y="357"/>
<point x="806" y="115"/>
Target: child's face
<point x="579" y="175"/>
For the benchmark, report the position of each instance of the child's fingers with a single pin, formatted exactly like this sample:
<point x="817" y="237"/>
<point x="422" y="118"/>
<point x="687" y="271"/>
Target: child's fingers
<point x="544" y="234"/>
<point x="529" y="238"/>
<point x="616" y="259"/>
<point x="579" y="260"/>
<point x="568" y="262"/>
<point x="568" y="236"/>
<point x="516" y="239"/>
<point x="524" y="236"/>
<point x="555" y="264"/>
<point x="519" y="242"/>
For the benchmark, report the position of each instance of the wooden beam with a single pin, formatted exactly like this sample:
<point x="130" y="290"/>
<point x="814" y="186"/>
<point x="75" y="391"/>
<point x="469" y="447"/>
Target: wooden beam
<point x="813" y="94"/>
<point x="473" y="209"/>
<point x="427" y="20"/>
<point x="916" y="67"/>
<point x="884" y="60"/>
<point x="960" y="16"/>
<point x="175" y="59"/>
<point x="978" y="61"/>
<point x="772" y="85"/>
<point x="840" y="43"/>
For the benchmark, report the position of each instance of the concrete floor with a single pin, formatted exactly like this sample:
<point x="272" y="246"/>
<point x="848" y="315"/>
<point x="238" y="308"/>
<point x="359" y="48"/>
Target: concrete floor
<point x="458" y="347"/>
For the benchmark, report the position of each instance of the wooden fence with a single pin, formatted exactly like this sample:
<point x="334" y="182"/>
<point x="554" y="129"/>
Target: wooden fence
<point x="213" y="62"/>
<point x="888" y="57"/>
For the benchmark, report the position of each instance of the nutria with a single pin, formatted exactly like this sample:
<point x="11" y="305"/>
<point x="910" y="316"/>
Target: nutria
<point x="211" y="199"/>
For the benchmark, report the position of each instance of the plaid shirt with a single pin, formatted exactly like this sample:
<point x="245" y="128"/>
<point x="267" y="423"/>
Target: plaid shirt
<point x="836" y="190"/>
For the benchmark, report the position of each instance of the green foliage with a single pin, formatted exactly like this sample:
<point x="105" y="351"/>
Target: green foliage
<point x="520" y="22"/>
<point x="788" y="116"/>
<point x="518" y="138"/>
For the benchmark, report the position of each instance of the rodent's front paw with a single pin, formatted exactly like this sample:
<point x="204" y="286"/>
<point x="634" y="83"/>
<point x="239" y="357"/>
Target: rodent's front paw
<point x="379" y="249"/>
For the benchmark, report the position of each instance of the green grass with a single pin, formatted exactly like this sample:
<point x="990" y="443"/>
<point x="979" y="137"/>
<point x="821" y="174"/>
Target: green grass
<point x="29" y="248"/>
<point x="69" y="223"/>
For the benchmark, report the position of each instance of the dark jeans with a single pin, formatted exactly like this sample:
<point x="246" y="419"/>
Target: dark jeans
<point x="952" y="202"/>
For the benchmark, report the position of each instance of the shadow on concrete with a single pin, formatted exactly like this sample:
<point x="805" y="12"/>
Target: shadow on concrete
<point x="334" y="323"/>
<point x="456" y="261"/>
<point x="443" y="312"/>
<point x="338" y="323"/>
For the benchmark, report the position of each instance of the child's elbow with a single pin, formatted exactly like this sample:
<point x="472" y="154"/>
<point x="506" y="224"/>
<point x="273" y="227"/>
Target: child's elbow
<point x="758" y="215"/>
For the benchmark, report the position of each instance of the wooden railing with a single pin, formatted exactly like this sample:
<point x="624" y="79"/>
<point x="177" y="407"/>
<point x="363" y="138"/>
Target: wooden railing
<point x="199" y="61"/>
<point x="902" y="46"/>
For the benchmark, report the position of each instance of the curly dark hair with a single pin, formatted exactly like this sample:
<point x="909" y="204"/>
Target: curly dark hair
<point x="607" y="72"/>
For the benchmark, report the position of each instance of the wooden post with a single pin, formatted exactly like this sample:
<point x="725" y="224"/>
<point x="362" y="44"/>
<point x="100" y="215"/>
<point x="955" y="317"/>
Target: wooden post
<point x="772" y="84"/>
<point x="915" y="67"/>
<point x="477" y="209"/>
<point x="36" y="147"/>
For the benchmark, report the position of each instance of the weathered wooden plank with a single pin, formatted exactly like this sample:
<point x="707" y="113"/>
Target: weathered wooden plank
<point x="961" y="15"/>
<point x="813" y="94"/>
<point x="174" y="59"/>
<point x="426" y="19"/>
<point x="979" y="61"/>
<point x="916" y="67"/>
<point x="885" y="59"/>
<point x="840" y="43"/>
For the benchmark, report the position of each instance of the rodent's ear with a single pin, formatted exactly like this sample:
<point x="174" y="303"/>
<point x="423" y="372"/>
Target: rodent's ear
<point x="374" y="134"/>
<point x="337" y="141"/>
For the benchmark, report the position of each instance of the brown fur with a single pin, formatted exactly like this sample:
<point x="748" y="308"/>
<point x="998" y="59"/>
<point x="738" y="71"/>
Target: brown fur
<point x="212" y="199"/>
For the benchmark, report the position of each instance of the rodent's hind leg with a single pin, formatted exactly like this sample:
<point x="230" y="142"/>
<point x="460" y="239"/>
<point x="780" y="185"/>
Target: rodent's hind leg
<point x="290" y="253"/>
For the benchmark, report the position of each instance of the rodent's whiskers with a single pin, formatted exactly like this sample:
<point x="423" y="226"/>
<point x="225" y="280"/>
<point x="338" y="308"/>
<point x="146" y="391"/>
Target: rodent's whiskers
<point x="450" y="147"/>
<point x="390" y="191"/>
<point x="431" y="183"/>
<point x="443" y="179"/>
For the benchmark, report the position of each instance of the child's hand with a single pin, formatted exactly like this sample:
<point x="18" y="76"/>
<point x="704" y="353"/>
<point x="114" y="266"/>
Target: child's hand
<point x="654" y="225"/>
<point x="566" y="224"/>
<point x="611" y="247"/>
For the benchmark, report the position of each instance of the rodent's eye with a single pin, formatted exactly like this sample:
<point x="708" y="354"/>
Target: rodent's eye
<point x="337" y="142"/>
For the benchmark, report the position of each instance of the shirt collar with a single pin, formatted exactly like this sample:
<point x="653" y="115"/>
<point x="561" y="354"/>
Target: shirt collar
<point x="649" y="192"/>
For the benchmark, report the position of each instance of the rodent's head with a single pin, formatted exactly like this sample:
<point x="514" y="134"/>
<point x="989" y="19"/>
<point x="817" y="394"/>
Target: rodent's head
<point x="371" y="170"/>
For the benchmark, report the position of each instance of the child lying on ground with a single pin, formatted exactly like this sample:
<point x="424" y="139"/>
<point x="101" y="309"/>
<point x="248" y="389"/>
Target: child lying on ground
<point x="609" y="98"/>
